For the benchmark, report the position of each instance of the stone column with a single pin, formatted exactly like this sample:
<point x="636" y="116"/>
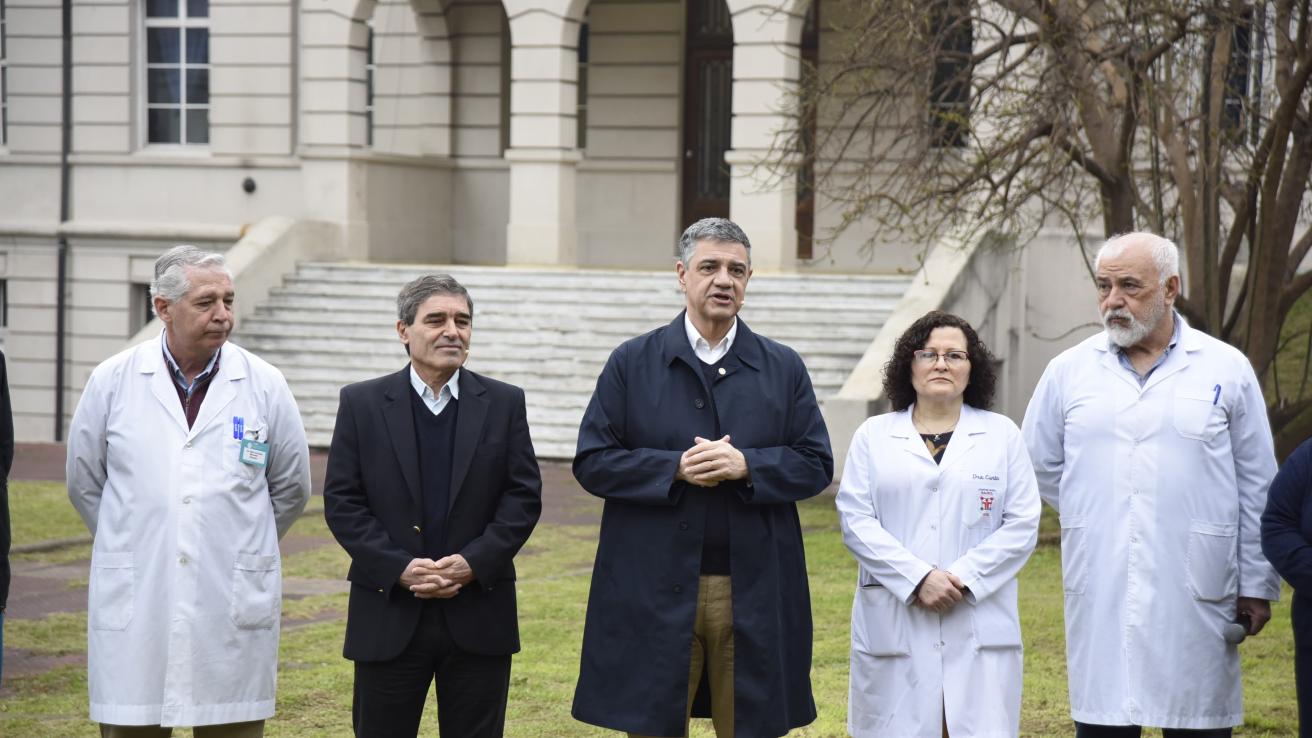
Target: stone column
<point x="334" y="46"/>
<point x="766" y="70"/>
<point x="543" y="130"/>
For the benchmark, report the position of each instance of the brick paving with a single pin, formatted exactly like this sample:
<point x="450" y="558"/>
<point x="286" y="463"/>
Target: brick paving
<point x="38" y="462"/>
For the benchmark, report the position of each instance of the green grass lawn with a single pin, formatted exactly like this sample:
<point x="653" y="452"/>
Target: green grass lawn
<point x="40" y="511"/>
<point x="1291" y="362"/>
<point x="315" y="683"/>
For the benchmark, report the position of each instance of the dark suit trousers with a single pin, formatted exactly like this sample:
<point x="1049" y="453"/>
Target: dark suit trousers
<point x="471" y="688"/>
<point x="1084" y="730"/>
<point x="1301" y="614"/>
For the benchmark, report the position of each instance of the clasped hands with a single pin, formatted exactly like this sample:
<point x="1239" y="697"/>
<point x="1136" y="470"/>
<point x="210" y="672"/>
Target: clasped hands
<point x="939" y="591"/>
<point x="708" y="463"/>
<point x="437" y="580"/>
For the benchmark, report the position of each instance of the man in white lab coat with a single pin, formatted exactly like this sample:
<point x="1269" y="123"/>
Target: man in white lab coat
<point x="1151" y="441"/>
<point x="187" y="460"/>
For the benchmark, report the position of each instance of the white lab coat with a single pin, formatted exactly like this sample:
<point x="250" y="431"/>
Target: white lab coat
<point x="976" y="516"/>
<point x="1159" y="490"/>
<point x="185" y="590"/>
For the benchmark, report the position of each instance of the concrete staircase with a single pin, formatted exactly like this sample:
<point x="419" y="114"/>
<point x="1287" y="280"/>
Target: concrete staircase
<point x="548" y="331"/>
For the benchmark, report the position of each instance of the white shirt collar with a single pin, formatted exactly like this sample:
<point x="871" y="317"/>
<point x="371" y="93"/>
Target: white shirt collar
<point x="703" y="348"/>
<point x="437" y="402"/>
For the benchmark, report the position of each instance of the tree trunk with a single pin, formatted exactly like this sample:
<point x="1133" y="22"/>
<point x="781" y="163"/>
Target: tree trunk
<point x="1117" y="208"/>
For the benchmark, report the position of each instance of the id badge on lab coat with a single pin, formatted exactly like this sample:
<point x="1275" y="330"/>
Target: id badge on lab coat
<point x="253" y="453"/>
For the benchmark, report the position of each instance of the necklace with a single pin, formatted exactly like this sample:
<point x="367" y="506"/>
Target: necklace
<point x="934" y="436"/>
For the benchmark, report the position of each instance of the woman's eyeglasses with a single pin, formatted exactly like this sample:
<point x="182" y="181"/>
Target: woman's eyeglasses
<point x="930" y="358"/>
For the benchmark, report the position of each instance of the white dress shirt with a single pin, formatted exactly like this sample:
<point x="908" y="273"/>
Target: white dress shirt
<point x="703" y="348"/>
<point x="436" y="403"/>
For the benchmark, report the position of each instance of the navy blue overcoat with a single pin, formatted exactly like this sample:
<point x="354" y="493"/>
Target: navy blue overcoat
<point x="650" y="402"/>
<point x="1287" y="544"/>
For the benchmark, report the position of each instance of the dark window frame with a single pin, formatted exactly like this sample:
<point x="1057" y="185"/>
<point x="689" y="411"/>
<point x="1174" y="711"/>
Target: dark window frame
<point x="952" y="37"/>
<point x="370" y="68"/>
<point x="4" y="74"/>
<point x="191" y="21"/>
<point x="1236" y="104"/>
<point x="581" y="88"/>
<point x="141" y="307"/>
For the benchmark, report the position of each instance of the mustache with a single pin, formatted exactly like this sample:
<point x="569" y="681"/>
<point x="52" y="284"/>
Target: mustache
<point x="1123" y="313"/>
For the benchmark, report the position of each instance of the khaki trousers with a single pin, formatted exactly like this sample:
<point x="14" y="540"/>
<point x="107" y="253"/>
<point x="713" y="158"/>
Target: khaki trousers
<point x="712" y="645"/>
<point x="252" y="729"/>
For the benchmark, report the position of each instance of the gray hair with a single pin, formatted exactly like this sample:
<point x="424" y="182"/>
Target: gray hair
<point x="415" y="293"/>
<point x="1165" y="254"/>
<point x="712" y="229"/>
<point x="172" y="267"/>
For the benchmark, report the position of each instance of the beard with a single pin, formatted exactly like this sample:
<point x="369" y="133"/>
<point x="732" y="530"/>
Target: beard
<point x="1136" y="330"/>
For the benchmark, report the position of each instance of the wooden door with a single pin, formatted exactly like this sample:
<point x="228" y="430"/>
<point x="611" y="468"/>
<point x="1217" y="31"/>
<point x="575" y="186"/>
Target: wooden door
<point x="810" y="52"/>
<point x="707" y="110"/>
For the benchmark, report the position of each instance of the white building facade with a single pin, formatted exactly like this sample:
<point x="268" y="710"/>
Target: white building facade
<point x="566" y="133"/>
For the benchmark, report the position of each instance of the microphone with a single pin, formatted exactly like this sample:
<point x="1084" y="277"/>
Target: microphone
<point x="1237" y="631"/>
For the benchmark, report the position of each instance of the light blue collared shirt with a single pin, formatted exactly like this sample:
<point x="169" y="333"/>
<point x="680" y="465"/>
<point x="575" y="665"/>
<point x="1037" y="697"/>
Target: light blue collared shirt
<point x="1125" y="358"/>
<point x="436" y="403"/>
<point x="181" y="379"/>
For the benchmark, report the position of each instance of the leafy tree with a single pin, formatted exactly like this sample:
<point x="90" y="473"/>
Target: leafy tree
<point x="1189" y="118"/>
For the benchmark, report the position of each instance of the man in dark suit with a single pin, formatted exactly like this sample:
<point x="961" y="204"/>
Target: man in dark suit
<point x="432" y="487"/>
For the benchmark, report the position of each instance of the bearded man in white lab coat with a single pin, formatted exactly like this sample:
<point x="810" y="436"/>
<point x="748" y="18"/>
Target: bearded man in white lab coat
<point x="1151" y="441"/>
<point x="187" y="460"/>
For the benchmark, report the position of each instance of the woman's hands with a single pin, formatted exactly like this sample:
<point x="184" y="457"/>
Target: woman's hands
<point x="939" y="591"/>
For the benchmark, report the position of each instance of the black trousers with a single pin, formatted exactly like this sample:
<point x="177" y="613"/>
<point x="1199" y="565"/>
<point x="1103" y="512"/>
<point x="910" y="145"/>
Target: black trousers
<point x="1084" y="730"/>
<point x="471" y="688"/>
<point x="1301" y="613"/>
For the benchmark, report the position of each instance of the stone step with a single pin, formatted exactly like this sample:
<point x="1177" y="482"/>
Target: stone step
<point x="566" y="390"/>
<point x="326" y="379"/>
<point x="526" y="331"/>
<point x="509" y="348"/>
<point x="548" y="331"/>
<point x="392" y="277"/>
<point x="571" y="306"/>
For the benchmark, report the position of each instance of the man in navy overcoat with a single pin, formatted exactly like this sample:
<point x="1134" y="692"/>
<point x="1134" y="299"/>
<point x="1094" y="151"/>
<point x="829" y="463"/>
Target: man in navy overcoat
<point x="1287" y="544"/>
<point x="701" y="436"/>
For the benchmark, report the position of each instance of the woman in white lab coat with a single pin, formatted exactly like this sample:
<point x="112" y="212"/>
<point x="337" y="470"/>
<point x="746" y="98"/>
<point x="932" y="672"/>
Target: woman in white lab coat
<point x="939" y="505"/>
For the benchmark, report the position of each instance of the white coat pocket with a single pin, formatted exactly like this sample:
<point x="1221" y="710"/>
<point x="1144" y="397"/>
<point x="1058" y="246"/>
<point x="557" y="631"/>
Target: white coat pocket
<point x="1212" y="561"/>
<point x="995" y="624"/>
<point x="111" y="590"/>
<point x="1193" y="412"/>
<point x="981" y="503"/>
<point x="256" y="590"/>
<point x="1074" y="554"/>
<point x="879" y="623"/>
<point x="232" y="466"/>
